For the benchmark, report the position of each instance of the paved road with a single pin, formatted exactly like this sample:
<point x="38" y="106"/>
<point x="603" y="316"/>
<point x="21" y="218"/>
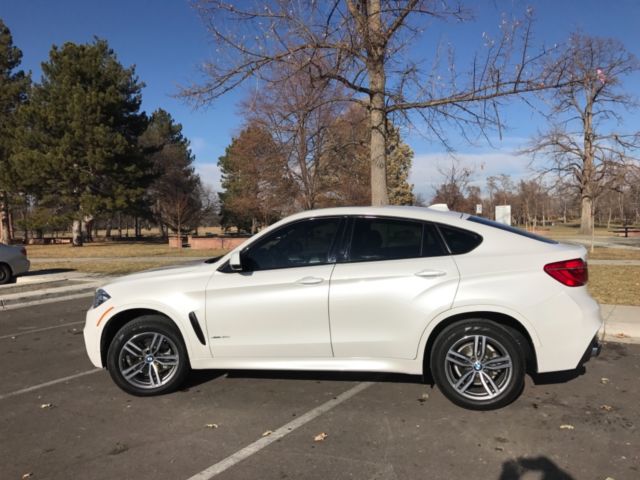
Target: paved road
<point x="387" y="428"/>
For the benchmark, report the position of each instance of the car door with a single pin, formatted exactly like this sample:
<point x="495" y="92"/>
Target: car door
<point x="277" y="306"/>
<point x="395" y="276"/>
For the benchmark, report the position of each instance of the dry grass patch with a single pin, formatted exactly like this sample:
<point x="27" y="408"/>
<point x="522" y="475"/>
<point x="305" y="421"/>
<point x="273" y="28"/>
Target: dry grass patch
<point x="116" y="250"/>
<point x="601" y="253"/>
<point x="615" y="284"/>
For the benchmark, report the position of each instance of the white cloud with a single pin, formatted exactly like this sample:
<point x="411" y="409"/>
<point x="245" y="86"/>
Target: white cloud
<point x="209" y="174"/>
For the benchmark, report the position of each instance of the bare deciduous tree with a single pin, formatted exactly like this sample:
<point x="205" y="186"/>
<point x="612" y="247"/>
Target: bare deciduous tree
<point x="363" y="45"/>
<point x="454" y="189"/>
<point x="583" y="144"/>
<point x="299" y="113"/>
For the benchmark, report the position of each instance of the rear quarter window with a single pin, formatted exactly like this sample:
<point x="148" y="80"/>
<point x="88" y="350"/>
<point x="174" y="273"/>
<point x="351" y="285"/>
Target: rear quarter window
<point x="459" y="240"/>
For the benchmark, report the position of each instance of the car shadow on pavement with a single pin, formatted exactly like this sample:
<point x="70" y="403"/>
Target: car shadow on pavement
<point x="198" y="377"/>
<point x="557" y="377"/>
<point x="326" y="376"/>
<point x="519" y="468"/>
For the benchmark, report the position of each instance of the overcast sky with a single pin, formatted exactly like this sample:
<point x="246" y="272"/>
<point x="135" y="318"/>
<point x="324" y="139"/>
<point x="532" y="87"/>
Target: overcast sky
<point x="166" y="41"/>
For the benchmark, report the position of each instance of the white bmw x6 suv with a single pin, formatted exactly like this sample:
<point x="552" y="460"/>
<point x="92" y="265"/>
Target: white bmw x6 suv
<point x="472" y="303"/>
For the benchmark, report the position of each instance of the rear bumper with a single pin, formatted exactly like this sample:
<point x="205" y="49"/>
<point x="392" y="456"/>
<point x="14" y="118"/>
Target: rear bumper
<point x="20" y="266"/>
<point x="592" y="351"/>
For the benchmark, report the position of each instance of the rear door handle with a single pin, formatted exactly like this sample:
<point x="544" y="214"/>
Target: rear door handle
<point x="430" y="273"/>
<point x="310" y="280"/>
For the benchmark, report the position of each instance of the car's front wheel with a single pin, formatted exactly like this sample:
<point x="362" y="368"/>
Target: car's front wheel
<point x="148" y="357"/>
<point x="479" y="364"/>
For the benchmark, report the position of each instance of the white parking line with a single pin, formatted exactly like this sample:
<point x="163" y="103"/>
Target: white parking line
<point x="258" y="445"/>
<point x="48" y="384"/>
<point x="27" y="332"/>
<point x="45" y="301"/>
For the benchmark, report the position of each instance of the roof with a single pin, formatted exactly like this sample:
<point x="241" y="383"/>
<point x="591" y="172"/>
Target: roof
<point x="422" y="213"/>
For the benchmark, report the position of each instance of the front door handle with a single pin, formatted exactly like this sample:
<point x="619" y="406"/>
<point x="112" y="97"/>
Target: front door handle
<point x="310" y="281"/>
<point x="430" y="273"/>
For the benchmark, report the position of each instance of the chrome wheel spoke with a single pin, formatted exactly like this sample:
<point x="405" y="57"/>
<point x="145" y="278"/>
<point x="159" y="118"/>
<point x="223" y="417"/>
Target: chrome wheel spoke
<point x="133" y="370"/>
<point x="489" y="385"/>
<point x="458" y="359"/>
<point x="156" y="342"/>
<point x="498" y="363"/>
<point x="154" y="375"/>
<point x="167" y="360"/>
<point x="479" y="346"/>
<point x="465" y="381"/>
<point x="133" y="349"/>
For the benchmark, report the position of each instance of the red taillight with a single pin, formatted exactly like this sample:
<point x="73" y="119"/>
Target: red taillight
<point x="23" y="251"/>
<point x="572" y="273"/>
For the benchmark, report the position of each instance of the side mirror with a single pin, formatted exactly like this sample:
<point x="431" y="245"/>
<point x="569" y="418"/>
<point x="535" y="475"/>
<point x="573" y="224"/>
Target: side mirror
<point x="235" y="263"/>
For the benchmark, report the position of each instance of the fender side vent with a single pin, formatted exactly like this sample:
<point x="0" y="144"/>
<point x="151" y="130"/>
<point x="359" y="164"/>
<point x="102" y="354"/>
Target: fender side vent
<point x="196" y="327"/>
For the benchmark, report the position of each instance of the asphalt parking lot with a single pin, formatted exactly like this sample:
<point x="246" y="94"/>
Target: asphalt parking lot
<point x="376" y="426"/>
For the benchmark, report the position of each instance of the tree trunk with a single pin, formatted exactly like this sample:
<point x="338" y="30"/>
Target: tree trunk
<point x="586" y="216"/>
<point x="5" y="230"/>
<point x="88" y="222"/>
<point x="76" y="233"/>
<point x="377" y="84"/>
<point x="587" y="181"/>
<point x="107" y="232"/>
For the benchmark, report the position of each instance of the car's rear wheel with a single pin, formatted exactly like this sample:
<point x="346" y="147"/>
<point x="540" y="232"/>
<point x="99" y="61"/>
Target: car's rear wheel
<point x="148" y="357"/>
<point x="478" y="364"/>
<point x="5" y="274"/>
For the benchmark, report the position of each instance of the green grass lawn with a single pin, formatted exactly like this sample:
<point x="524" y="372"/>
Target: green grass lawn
<point x="116" y="250"/>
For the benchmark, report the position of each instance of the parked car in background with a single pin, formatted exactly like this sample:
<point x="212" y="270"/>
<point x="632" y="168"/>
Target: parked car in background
<point x="13" y="262"/>
<point x="472" y="303"/>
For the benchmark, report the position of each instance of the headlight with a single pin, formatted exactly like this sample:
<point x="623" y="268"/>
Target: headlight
<point x="100" y="297"/>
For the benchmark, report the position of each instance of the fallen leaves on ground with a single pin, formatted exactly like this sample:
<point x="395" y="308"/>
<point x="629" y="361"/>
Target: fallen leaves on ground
<point x="27" y="475"/>
<point x="604" y="380"/>
<point x="320" y="437"/>
<point x="267" y="433"/>
<point x="423" y="398"/>
<point x="46" y="405"/>
<point x="567" y="426"/>
<point x="606" y="408"/>
<point x="212" y="425"/>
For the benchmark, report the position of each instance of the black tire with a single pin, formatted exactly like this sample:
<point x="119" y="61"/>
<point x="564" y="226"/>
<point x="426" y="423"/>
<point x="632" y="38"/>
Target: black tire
<point x="148" y="357"/>
<point x="477" y="377"/>
<point x="6" y="275"/>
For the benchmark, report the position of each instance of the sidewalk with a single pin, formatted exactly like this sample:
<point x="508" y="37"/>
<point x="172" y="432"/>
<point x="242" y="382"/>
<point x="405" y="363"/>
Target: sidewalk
<point x="621" y="323"/>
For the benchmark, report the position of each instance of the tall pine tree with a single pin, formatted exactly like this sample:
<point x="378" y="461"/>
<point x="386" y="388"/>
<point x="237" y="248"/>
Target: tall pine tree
<point x="79" y="137"/>
<point x="176" y="192"/>
<point x="14" y="85"/>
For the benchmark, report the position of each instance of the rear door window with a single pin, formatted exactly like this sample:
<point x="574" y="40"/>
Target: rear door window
<point x="376" y="239"/>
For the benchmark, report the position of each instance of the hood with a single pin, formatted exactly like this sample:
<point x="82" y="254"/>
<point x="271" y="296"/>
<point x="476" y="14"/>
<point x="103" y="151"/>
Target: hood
<point x="168" y="273"/>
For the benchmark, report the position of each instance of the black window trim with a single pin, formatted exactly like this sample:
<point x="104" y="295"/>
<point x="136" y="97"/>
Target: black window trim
<point x="511" y="229"/>
<point x="224" y="268"/>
